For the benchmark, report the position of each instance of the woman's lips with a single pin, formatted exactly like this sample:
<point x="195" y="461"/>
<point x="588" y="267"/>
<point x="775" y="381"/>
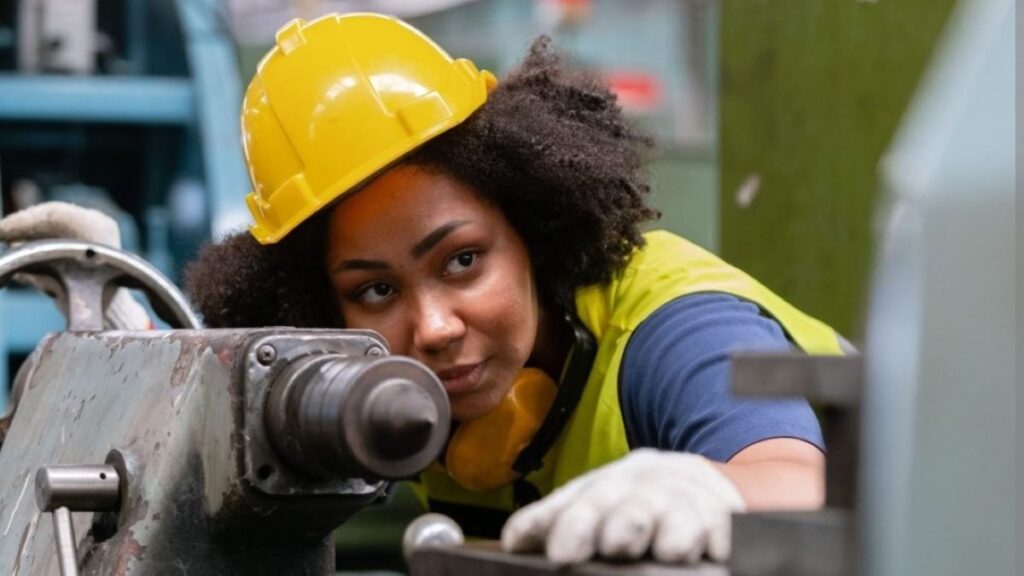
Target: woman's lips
<point x="461" y="379"/>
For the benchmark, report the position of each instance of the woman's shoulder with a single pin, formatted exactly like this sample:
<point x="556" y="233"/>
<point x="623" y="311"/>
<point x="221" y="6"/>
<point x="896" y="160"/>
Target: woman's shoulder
<point x="662" y="269"/>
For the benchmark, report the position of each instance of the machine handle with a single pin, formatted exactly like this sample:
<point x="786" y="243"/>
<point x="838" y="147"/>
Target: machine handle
<point x="63" y="489"/>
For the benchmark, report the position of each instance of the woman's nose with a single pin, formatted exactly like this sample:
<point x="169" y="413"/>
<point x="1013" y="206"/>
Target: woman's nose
<point x="437" y="325"/>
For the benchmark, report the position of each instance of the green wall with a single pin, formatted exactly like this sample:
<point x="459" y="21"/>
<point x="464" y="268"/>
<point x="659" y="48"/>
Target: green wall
<point x="811" y="92"/>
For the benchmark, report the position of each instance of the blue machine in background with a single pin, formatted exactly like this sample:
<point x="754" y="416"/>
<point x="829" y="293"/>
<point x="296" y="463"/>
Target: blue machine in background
<point x="145" y="128"/>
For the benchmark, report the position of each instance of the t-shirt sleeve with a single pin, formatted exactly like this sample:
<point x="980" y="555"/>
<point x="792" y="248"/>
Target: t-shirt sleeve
<point x="674" y="380"/>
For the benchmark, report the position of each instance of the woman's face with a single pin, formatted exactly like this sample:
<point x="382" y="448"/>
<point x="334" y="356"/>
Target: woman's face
<point x="442" y="275"/>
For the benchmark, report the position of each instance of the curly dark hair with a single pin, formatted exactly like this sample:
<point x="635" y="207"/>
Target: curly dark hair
<point x="550" y="148"/>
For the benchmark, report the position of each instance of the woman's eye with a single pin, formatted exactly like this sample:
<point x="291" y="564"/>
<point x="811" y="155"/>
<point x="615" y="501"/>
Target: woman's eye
<point x="460" y="262"/>
<point x="374" y="293"/>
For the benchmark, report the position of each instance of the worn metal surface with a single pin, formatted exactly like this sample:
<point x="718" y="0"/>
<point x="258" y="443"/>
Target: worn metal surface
<point x="168" y="411"/>
<point x="486" y="559"/>
<point x="793" y="543"/>
<point x="87" y="272"/>
<point x="82" y="276"/>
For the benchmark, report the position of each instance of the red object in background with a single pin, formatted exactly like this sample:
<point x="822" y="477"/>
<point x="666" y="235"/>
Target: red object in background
<point x="637" y="91"/>
<point x="560" y="13"/>
<point x="573" y="4"/>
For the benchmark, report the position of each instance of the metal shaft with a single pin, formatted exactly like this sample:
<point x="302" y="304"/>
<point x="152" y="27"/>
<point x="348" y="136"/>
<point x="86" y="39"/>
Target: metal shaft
<point x="64" y="534"/>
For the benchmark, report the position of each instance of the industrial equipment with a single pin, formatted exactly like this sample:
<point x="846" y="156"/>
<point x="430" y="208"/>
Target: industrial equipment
<point x="236" y="451"/>
<point x="210" y="451"/>
<point x="127" y="106"/>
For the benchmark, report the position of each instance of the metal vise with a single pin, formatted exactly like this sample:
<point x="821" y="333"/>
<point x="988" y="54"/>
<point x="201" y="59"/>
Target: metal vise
<point x="205" y="451"/>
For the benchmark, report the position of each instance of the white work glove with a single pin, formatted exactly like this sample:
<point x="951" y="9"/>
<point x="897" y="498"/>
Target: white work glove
<point x="677" y="505"/>
<point x="51" y="220"/>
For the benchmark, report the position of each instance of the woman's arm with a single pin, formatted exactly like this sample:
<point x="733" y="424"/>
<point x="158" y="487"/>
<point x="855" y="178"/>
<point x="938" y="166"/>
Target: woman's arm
<point x="675" y="395"/>
<point x="778" y="474"/>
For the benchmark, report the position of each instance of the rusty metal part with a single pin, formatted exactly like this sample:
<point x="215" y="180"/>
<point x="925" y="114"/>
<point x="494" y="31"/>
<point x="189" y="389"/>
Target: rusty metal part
<point x="171" y="412"/>
<point x="17" y="386"/>
<point x="88" y="273"/>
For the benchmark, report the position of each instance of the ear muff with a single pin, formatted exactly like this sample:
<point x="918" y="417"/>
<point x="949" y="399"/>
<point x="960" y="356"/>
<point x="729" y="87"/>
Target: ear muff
<point x="482" y="452"/>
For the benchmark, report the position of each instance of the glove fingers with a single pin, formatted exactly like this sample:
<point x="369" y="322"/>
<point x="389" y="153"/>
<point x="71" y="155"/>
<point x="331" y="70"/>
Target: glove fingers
<point x="720" y="538"/>
<point x="125" y="313"/>
<point x="46" y="284"/>
<point x="680" y="535"/>
<point x="714" y="499"/>
<point x="527" y="529"/>
<point x="677" y="505"/>
<point x="60" y="220"/>
<point x="628" y="529"/>
<point x="573" y="537"/>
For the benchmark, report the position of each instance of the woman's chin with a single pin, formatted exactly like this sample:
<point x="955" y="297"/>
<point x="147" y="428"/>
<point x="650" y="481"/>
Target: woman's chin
<point x="471" y="407"/>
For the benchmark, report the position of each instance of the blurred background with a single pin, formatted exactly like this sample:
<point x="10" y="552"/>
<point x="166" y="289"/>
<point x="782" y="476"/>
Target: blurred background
<point x="771" y="119"/>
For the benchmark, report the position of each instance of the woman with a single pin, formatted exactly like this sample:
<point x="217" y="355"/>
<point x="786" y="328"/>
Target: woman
<point x="494" y="236"/>
<point x="489" y="228"/>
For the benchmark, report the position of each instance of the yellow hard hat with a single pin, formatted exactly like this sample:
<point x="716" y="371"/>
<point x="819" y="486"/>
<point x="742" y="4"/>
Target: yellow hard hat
<point x="336" y="101"/>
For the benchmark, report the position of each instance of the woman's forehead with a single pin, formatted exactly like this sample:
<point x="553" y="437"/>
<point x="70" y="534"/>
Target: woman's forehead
<point x="406" y="203"/>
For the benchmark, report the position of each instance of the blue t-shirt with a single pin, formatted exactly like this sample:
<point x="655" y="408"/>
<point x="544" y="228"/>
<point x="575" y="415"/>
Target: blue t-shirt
<point x="674" y="380"/>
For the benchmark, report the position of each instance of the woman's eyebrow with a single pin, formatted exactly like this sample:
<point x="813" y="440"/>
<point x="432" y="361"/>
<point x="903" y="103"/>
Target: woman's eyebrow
<point x="357" y="264"/>
<point x="431" y="240"/>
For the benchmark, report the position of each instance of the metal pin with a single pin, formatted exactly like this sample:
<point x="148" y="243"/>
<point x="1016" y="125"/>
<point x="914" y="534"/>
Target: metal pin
<point x="64" y="533"/>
